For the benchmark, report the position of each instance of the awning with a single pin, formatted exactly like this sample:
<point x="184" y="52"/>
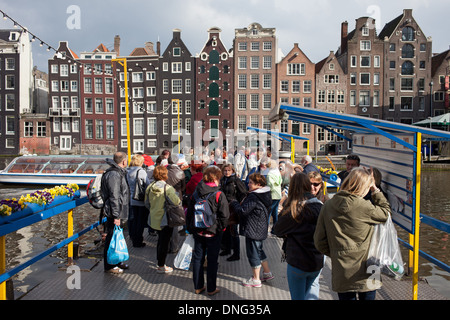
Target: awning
<point x="284" y="136"/>
<point x="442" y="120"/>
<point x="352" y="123"/>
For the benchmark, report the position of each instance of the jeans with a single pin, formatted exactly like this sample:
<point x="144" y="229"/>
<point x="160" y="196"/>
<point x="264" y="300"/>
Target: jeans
<point x="370" y="295"/>
<point x="109" y="230"/>
<point x="137" y="221"/>
<point x="210" y="248"/>
<point x="231" y="239"/>
<point x="300" y="283"/>
<point x="274" y="211"/>
<point x="255" y="252"/>
<point x="162" y="247"/>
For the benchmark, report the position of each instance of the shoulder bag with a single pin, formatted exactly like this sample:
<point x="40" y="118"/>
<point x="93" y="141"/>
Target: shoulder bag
<point x="175" y="213"/>
<point x="139" y="188"/>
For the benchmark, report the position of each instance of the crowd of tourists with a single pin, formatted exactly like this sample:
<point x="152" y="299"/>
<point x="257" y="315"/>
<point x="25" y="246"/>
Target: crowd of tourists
<point x="252" y="197"/>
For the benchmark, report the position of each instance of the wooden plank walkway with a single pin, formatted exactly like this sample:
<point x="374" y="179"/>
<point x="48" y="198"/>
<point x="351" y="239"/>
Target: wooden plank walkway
<point x="141" y="282"/>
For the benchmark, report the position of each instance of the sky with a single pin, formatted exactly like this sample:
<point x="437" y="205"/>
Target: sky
<point x="314" y="25"/>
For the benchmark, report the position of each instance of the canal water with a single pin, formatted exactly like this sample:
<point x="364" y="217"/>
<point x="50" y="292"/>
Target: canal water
<point x="32" y="240"/>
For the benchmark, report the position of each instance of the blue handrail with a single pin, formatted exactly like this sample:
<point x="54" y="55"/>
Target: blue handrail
<point x="45" y="214"/>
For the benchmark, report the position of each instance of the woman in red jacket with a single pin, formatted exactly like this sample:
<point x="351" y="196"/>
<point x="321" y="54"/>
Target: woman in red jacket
<point x="197" y="175"/>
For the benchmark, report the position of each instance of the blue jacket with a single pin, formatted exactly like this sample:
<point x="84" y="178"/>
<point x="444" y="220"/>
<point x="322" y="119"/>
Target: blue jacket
<point x="254" y="214"/>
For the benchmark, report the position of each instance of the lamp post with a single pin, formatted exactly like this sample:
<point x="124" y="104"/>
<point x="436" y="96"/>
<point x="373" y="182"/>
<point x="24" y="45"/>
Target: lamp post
<point x="431" y="117"/>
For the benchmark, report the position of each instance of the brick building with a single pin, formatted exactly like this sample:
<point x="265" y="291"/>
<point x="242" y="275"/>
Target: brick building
<point x="407" y="70"/>
<point x="296" y="86"/>
<point x="214" y="96"/>
<point x="255" y="58"/>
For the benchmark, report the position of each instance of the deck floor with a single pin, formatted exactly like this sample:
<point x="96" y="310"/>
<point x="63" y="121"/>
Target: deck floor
<point x="141" y="282"/>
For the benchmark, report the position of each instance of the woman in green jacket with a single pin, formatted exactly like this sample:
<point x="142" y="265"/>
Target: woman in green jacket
<point x="154" y="201"/>
<point x="344" y="231"/>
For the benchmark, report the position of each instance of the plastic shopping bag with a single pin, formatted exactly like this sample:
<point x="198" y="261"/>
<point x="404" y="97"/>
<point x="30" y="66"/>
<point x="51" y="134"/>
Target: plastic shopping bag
<point x="384" y="250"/>
<point x="117" y="251"/>
<point x="184" y="256"/>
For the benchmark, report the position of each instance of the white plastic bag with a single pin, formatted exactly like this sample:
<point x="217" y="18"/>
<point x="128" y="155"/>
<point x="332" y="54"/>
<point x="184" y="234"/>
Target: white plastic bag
<point x="183" y="259"/>
<point x="384" y="250"/>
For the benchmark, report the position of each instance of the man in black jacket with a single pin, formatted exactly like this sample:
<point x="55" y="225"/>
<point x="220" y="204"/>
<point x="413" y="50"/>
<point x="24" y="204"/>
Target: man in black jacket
<point x="116" y="197"/>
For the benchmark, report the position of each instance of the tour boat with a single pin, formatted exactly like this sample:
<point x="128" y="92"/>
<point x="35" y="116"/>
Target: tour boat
<point x="53" y="170"/>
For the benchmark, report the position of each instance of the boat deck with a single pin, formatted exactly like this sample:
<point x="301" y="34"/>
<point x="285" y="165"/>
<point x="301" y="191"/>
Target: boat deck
<point x="141" y="282"/>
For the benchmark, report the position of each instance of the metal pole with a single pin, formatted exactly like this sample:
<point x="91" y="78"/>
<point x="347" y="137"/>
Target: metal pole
<point x="70" y="234"/>
<point x="2" y="266"/>
<point x="431" y="117"/>
<point x="123" y="62"/>
<point x="415" y="275"/>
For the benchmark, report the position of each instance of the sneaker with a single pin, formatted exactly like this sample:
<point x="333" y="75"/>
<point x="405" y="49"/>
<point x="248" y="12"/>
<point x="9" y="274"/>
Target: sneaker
<point x="252" y="283"/>
<point x="164" y="269"/>
<point x="233" y="257"/>
<point x="115" y="270"/>
<point x="267" y="276"/>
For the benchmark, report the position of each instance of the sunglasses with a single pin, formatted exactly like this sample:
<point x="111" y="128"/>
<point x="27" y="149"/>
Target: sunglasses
<point x="316" y="184"/>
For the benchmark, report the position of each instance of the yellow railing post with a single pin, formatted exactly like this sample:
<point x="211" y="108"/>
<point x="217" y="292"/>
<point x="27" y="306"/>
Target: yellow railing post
<point x="3" y="266"/>
<point x="123" y="62"/>
<point x="292" y="150"/>
<point x="69" y="234"/>
<point x="415" y="278"/>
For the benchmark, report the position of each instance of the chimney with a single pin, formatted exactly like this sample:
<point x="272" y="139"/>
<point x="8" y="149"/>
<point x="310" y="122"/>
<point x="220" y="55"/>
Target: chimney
<point x="117" y="44"/>
<point x="344" y="36"/>
<point x="149" y="48"/>
<point x="158" y="48"/>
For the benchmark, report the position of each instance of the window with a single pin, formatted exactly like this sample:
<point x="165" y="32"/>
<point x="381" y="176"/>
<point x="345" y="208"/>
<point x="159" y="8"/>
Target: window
<point x="254" y="101"/>
<point x="254" y="46"/>
<point x="353" y="61"/>
<point x="254" y="81"/>
<point x="28" y="129"/>
<point x="407" y="84"/>
<point x="364" y="98"/>
<point x="321" y="96"/>
<point x="242" y="102"/>
<point x="99" y="129"/>
<point x="254" y="62"/>
<point x="296" y="86"/>
<point x="267" y="62"/>
<point x="407" y="68"/>
<point x="65" y="143"/>
<point x="109" y="129"/>
<point x="10" y="82"/>
<point x="89" y="129"/>
<point x="242" y="124"/>
<point x="176" y="51"/>
<point x="98" y="85"/>
<point x="284" y="86"/>
<point x="177" y="86"/>
<point x="98" y="105"/>
<point x="376" y="61"/>
<point x="364" y="78"/>
<point x="296" y="69"/>
<point x="267" y="101"/>
<point x="242" y="46"/>
<point x="376" y="79"/>
<point x="110" y="106"/>
<point x="307" y="86"/>
<point x="376" y="98"/>
<point x="137" y="76"/>
<point x="267" y="46"/>
<point x="213" y="90"/>
<point x="87" y="85"/>
<point x="64" y="70"/>
<point x="10" y="102"/>
<point x="213" y="108"/>
<point x="41" y="129"/>
<point x="406" y="104"/>
<point x="138" y="127"/>
<point x="242" y="81"/>
<point x="177" y="67"/>
<point x="267" y="81"/>
<point x="331" y="96"/>
<point x="391" y="103"/>
<point x="10" y="64"/>
<point x="365" y="61"/>
<point x="391" y="84"/>
<point x="365" y="45"/>
<point x="408" y="34"/>
<point x="88" y="108"/>
<point x="408" y="51"/>
<point x="353" y="78"/>
<point x="242" y="62"/>
<point x="214" y="57"/>
<point x="214" y="73"/>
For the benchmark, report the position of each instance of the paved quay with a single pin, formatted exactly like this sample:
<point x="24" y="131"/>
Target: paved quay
<point x="141" y="282"/>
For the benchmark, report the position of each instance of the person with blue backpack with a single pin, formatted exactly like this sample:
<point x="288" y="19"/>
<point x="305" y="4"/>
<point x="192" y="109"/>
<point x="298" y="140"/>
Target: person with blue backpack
<point x="206" y="219"/>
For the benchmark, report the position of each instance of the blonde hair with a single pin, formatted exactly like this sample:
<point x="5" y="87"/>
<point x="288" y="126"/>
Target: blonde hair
<point x="137" y="160"/>
<point x="272" y="164"/>
<point x="358" y="181"/>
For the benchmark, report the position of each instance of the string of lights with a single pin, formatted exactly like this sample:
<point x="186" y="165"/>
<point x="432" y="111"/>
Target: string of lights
<point x="83" y="66"/>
